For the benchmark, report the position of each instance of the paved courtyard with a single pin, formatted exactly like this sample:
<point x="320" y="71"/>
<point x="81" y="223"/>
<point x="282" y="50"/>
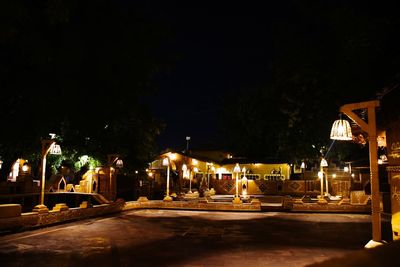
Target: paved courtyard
<point x="190" y="238"/>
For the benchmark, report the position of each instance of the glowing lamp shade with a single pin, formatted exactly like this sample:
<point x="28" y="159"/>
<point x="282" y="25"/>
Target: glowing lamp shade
<point x="324" y="163"/>
<point x="165" y="162"/>
<point x="119" y="163"/>
<point x="341" y="130"/>
<point x="303" y="165"/>
<point x="237" y="168"/>
<point x="55" y="150"/>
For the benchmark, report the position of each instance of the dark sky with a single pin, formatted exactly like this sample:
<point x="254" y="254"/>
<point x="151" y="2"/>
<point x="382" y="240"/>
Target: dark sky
<point x="226" y="48"/>
<point x="221" y="48"/>
<point x="194" y="60"/>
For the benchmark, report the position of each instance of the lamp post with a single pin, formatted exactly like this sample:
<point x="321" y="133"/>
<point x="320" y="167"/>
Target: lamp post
<point x="166" y="162"/>
<point x="48" y="145"/>
<point x="209" y="166"/>
<point x="236" y="170"/>
<point x="302" y="168"/>
<point x="244" y="184"/>
<point x="370" y="128"/>
<point x="324" y="164"/>
<point x="321" y="199"/>
<point x="187" y="144"/>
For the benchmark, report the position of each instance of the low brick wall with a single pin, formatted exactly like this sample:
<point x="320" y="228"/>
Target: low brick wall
<point x="331" y="207"/>
<point x="193" y="205"/>
<point x="31" y="220"/>
<point x="34" y="219"/>
<point x="10" y="210"/>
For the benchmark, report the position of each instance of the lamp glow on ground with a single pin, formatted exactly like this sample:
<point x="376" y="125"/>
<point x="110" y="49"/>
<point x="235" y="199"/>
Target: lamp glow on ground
<point x="370" y="128"/>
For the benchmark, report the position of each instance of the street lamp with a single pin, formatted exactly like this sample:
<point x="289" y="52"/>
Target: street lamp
<point x="324" y="164"/>
<point x="244" y="184"/>
<point x="48" y="146"/>
<point x="166" y="162"/>
<point x="321" y="199"/>
<point x="302" y="168"/>
<point x="187" y="144"/>
<point x="370" y="128"/>
<point x="194" y="171"/>
<point x="209" y="166"/>
<point x="236" y="170"/>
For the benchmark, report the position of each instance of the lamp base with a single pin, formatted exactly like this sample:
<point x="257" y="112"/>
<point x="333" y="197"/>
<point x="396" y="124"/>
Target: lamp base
<point x="237" y="200"/>
<point x="322" y="201"/>
<point x="40" y="208"/>
<point x="374" y="244"/>
<point x="167" y="198"/>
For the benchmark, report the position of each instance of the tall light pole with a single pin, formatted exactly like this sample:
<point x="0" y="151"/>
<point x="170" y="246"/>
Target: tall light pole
<point x="48" y="145"/>
<point x="209" y="166"/>
<point x="167" y="163"/>
<point x="187" y="144"/>
<point x="321" y="199"/>
<point x="302" y="168"/>
<point x="236" y="170"/>
<point x="324" y="164"/>
<point x="370" y="128"/>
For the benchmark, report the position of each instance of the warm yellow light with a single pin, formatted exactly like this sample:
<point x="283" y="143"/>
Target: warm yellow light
<point x="221" y="170"/>
<point x="172" y="156"/>
<point x="150" y="174"/>
<point x="334" y="175"/>
<point x="25" y="168"/>
<point x="324" y="163"/>
<point x="346" y="169"/>
<point x="341" y="130"/>
<point x="195" y="162"/>
<point x="184" y="167"/>
<point x="165" y="162"/>
<point x="195" y="169"/>
<point x="320" y="175"/>
<point x="237" y="168"/>
<point x="303" y="165"/>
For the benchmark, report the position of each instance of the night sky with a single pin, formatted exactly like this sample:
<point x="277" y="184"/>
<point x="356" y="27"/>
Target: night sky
<point x="225" y="48"/>
<point x="262" y="78"/>
<point x="222" y="48"/>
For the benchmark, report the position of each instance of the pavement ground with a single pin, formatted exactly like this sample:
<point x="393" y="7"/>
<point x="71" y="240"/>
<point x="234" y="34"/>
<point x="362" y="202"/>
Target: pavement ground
<point x="195" y="238"/>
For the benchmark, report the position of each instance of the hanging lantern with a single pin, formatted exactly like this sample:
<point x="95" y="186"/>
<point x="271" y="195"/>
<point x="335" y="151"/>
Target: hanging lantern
<point x="55" y="150"/>
<point x="119" y="163"/>
<point x="341" y="130"/>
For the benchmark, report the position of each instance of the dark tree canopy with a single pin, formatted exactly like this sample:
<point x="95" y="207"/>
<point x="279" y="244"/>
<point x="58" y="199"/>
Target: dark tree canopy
<point x="326" y="54"/>
<point x="79" y="69"/>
